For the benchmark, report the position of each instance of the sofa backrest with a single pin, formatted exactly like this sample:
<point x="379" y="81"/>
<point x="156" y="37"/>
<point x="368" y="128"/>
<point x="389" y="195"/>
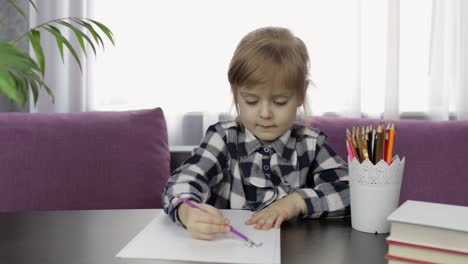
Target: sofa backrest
<point x="93" y="160"/>
<point x="436" y="153"/>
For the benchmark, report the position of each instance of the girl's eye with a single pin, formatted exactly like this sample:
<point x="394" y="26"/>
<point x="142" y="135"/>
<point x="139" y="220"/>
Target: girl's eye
<point x="251" y="102"/>
<point x="281" y="102"/>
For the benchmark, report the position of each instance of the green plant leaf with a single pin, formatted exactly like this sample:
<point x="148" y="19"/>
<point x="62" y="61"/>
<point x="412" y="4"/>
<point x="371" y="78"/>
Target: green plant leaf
<point x="19" y="72"/>
<point x="20" y="10"/>
<point x="90" y="28"/>
<point x="104" y="29"/>
<point x="15" y="65"/>
<point x="34" y="6"/>
<point x="34" y="89"/>
<point x="90" y="43"/>
<point x="14" y="58"/>
<point x="26" y="90"/>
<point x="8" y="85"/>
<point x="49" y="92"/>
<point x="34" y="77"/>
<point x="35" y="39"/>
<point x="79" y="35"/>
<point x="58" y="36"/>
<point x="22" y="89"/>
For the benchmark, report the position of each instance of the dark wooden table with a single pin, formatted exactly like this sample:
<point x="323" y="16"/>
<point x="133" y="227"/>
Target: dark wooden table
<point x="96" y="236"/>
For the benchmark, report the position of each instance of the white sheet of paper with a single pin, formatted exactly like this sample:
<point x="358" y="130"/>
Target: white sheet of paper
<point x="162" y="239"/>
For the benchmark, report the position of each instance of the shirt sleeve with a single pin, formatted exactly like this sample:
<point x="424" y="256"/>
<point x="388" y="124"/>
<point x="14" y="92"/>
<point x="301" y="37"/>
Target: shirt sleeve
<point x="194" y="179"/>
<point x="327" y="191"/>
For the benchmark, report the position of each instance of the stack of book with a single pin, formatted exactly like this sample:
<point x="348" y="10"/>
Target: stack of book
<point x="423" y="232"/>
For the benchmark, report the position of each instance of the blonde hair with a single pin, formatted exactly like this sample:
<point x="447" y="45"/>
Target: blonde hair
<point x="270" y="55"/>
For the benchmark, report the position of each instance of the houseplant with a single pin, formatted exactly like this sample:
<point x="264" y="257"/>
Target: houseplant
<point x="21" y="73"/>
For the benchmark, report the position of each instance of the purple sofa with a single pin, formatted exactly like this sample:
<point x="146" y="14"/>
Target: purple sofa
<point x="111" y="160"/>
<point x="94" y="160"/>
<point x="435" y="152"/>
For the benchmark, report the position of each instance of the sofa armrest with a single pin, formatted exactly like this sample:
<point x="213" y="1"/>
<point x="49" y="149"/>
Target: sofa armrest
<point x="92" y="160"/>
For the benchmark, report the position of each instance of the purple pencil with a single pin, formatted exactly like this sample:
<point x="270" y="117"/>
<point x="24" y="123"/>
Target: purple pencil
<point x="233" y="230"/>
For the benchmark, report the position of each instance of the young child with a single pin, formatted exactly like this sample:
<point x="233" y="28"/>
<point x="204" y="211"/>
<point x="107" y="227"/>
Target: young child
<point x="263" y="161"/>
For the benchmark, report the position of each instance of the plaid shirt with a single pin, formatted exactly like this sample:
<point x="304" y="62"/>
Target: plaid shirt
<point x="232" y="169"/>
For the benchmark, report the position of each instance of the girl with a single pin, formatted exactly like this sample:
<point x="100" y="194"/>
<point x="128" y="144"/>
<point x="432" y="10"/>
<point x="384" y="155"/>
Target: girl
<point x="263" y="161"/>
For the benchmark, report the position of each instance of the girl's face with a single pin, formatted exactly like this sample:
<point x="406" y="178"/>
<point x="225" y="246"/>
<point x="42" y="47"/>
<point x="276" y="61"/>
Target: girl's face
<point x="267" y="112"/>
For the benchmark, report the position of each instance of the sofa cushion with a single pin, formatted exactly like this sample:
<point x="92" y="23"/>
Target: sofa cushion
<point x="92" y="160"/>
<point x="435" y="152"/>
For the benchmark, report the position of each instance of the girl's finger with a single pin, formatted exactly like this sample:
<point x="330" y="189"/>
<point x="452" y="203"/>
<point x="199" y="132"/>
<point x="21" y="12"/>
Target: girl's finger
<point x="218" y="215"/>
<point x="200" y="216"/>
<point x="211" y="210"/>
<point x="210" y="219"/>
<point x="270" y="220"/>
<point x="249" y="221"/>
<point x="260" y="222"/>
<point x="204" y="228"/>
<point x="279" y="221"/>
<point x="255" y="217"/>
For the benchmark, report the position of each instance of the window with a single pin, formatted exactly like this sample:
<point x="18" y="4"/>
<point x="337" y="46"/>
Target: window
<point x="175" y="54"/>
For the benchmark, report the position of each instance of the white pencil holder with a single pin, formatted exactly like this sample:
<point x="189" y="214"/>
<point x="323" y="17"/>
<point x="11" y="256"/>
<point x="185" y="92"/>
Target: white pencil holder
<point x="374" y="193"/>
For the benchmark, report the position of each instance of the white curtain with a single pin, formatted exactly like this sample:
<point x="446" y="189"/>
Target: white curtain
<point x="375" y="93"/>
<point x="449" y="60"/>
<point x="64" y="78"/>
<point x="442" y="92"/>
<point x="392" y="87"/>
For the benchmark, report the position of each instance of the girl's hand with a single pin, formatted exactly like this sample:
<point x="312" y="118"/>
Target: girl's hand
<point x="207" y="224"/>
<point x="284" y="209"/>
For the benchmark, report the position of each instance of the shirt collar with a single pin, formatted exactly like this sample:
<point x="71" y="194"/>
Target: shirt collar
<point x="251" y="143"/>
<point x="283" y="146"/>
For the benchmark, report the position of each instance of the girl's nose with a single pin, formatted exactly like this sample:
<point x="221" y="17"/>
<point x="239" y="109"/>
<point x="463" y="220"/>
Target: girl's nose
<point x="265" y="111"/>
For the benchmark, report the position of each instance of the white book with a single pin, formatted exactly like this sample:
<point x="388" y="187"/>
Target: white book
<point x="162" y="239"/>
<point x="433" y="225"/>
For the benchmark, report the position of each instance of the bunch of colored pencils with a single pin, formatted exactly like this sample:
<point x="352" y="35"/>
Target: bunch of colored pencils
<point x="370" y="143"/>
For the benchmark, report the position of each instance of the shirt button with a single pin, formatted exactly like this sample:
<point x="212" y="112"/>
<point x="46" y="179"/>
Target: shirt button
<point x="266" y="167"/>
<point x="266" y="149"/>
